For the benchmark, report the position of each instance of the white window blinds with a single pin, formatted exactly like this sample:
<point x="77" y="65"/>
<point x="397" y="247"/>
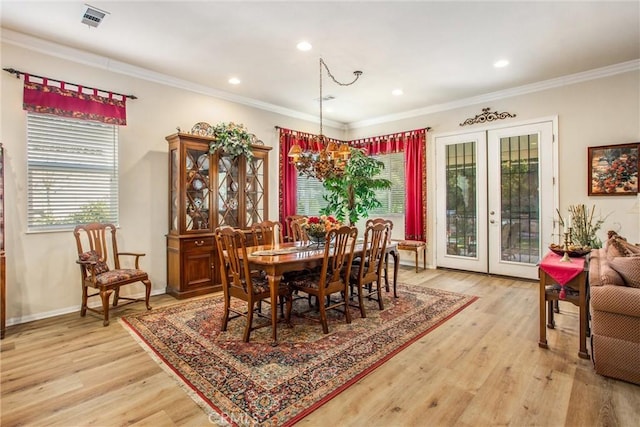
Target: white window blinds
<point x="72" y="172"/>
<point x="310" y="190"/>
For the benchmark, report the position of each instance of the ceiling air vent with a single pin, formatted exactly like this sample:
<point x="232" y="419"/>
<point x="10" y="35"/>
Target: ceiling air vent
<point x="93" y="16"/>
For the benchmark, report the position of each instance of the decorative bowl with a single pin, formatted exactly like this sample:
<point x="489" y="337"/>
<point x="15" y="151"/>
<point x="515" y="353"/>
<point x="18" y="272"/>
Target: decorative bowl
<point x="573" y="253"/>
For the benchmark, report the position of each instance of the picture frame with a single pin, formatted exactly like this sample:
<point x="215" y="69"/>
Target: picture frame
<point x="613" y="169"/>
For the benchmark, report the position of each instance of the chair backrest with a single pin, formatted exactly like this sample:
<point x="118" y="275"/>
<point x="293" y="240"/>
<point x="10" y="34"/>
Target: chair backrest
<point x="267" y="233"/>
<point x="338" y="256"/>
<point x="388" y="222"/>
<point x="236" y="275"/>
<point x="294" y="229"/>
<point x="376" y="236"/>
<point x="98" y="237"/>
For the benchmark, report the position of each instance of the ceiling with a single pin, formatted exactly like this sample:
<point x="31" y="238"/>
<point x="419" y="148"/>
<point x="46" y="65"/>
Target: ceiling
<point x="438" y="53"/>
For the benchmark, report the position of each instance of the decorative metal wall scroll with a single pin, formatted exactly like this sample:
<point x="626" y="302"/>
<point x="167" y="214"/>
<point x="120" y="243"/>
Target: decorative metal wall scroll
<point x="487" y="116"/>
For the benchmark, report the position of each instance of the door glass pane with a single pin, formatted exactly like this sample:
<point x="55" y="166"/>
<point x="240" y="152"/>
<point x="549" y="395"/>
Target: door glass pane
<point x="461" y="199"/>
<point x="519" y="185"/>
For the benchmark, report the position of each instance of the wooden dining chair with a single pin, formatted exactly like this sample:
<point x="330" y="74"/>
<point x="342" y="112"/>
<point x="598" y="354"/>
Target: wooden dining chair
<point x="389" y="224"/>
<point x="366" y="275"/>
<point x="294" y="228"/>
<point x="101" y="269"/>
<point x="267" y="233"/>
<point x="239" y="282"/>
<point x="333" y="277"/>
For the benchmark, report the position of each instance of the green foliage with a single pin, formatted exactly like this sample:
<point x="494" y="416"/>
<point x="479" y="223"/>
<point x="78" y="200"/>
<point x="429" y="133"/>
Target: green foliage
<point x="233" y="139"/>
<point x="91" y="212"/>
<point x="352" y="195"/>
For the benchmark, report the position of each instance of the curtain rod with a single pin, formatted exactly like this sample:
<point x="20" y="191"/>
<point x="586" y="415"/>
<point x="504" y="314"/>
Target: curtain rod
<point x="18" y="73"/>
<point x="427" y="129"/>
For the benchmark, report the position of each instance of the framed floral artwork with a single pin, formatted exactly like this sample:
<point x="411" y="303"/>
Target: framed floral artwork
<point x="613" y="170"/>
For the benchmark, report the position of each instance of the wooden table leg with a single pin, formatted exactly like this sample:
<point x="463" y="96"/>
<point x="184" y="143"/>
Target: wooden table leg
<point x="583" y="317"/>
<point x="396" y="261"/>
<point x="543" y="316"/>
<point x="274" y="283"/>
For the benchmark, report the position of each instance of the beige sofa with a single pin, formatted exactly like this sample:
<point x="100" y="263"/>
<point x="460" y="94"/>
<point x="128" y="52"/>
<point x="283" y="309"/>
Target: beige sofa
<point x="614" y="281"/>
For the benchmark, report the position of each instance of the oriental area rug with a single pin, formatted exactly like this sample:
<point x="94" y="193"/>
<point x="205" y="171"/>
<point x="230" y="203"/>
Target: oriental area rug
<point x="257" y="384"/>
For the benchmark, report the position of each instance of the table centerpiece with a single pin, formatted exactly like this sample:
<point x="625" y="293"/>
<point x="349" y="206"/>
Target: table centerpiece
<point x="317" y="227"/>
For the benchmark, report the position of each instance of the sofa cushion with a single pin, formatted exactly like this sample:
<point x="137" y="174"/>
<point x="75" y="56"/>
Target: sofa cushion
<point x="628" y="268"/>
<point x="618" y="246"/>
<point x="609" y="276"/>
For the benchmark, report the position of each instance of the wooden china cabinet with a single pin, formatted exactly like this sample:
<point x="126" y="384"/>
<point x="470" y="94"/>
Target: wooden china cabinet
<point x="3" y="273"/>
<point x="206" y="191"/>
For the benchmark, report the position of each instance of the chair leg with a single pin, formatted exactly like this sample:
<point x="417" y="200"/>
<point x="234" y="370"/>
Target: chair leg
<point x="116" y="296"/>
<point x="147" y="293"/>
<point x="347" y="312"/>
<point x="83" y="308"/>
<point x="104" y="295"/>
<point x="289" y="308"/>
<point x="380" y="303"/>
<point x="323" y="318"/>
<point x="361" y="301"/>
<point x="247" y="329"/>
<point x="227" y="306"/>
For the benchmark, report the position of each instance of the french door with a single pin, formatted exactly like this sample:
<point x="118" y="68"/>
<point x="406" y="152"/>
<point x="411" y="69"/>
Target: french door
<point x="495" y="199"/>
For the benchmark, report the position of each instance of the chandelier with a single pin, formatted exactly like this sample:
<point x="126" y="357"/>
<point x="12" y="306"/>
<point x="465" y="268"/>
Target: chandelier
<point x="331" y="158"/>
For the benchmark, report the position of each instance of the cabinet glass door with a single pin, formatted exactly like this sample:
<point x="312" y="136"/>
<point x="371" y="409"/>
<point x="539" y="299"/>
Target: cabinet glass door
<point x="197" y="192"/>
<point x="228" y="191"/>
<point x="254" y="195"/>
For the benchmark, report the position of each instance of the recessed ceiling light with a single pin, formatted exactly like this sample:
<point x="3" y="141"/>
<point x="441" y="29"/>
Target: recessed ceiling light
<point x="501" y="63"/>
<point x="234" y="81"/>
<point x="397" y="92"/>
<point x="304" y="46"/>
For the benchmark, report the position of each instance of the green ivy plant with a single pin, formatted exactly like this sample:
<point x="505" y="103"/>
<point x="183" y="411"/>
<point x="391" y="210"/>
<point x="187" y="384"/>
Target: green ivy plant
<point x="233" y="139"/>
<point x="353" y="194"/>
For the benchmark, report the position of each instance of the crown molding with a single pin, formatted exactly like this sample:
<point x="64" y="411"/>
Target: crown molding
<point x="82" y="57"/>
<point x="571" y="79"/>
<point x="75" y="55"/>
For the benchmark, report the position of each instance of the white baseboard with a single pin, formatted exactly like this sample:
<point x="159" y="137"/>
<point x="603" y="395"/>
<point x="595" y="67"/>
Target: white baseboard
<point x="73" y="309"/>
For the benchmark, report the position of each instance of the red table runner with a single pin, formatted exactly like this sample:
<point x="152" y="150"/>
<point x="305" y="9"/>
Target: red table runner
<point x="561" y="272"/>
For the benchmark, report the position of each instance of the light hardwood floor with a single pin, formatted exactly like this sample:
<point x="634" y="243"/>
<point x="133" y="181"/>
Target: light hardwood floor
<point x="482" y="367"/>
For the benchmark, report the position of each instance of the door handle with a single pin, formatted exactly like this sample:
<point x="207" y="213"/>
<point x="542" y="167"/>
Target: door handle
<point x="492" y="213"/>
<point x="492" y="221"/>
<point x="199" y="243"/>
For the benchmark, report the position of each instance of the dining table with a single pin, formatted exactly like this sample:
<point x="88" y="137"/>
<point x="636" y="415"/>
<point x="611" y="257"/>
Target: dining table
<point x="280" y="258"/>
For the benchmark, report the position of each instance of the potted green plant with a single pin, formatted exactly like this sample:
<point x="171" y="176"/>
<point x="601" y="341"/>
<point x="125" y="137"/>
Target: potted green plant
<point x="352" y="194"/>
<point x="233" y="139"/>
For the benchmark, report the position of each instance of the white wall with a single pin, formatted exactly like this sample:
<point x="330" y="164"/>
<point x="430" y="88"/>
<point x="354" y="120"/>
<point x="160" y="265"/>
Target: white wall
<point x="42" y="277"/>
<point x="596" y="112"/>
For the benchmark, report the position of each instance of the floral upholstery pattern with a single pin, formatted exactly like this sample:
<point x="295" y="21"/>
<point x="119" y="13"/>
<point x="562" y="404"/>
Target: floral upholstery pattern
<point x="113" y="276"/>
<point x="93" y="256"/>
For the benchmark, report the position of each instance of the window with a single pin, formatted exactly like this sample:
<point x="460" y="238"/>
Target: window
<point x="310" y="190"/>
<point x="310" y="196"/>
<point x="72" y="172"/>
<point x="392" y="200"/>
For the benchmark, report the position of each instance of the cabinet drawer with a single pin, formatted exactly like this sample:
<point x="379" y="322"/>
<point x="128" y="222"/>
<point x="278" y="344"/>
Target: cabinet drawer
<point x="198" y="243"/>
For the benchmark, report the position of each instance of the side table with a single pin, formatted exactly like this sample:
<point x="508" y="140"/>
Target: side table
<point x="572" y="278"/>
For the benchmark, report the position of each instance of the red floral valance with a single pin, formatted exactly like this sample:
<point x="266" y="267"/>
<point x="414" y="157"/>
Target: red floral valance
<point x="81" y="103"/>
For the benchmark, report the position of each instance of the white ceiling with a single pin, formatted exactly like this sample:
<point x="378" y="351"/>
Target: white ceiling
<point x="437" y="52"/>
